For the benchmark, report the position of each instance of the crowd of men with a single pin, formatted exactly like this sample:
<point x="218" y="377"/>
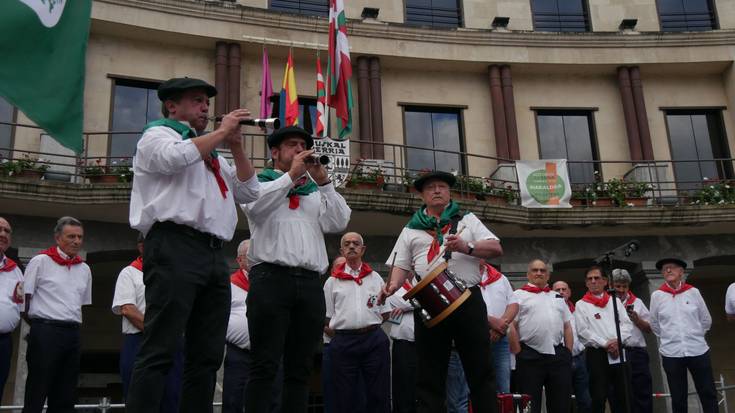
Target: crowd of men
<point x="183" y="312"/>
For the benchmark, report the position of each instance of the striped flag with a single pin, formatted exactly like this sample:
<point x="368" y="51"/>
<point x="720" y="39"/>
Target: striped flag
<point x="266" y="88"/>
<point x="320" y="128"/>
<point x="289" y="101"/>
<point x="340" y="69"/>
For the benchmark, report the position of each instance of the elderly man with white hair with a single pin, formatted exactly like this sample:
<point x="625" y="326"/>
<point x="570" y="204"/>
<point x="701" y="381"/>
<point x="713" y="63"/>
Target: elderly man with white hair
<point x="11" y="300"/>
<point x="641" y="399"/>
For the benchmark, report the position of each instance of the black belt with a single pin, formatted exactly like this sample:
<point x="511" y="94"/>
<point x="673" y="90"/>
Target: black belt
<point x="57" y="323"/>
<point x="297" y="272"/>
<point x="358" y="330"/>
<point x="211" y="240"/>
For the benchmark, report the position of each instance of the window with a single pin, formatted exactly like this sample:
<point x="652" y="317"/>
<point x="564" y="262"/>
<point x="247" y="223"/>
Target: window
<point x="433" y="128"/>
<point x="134" y="104"/>
<point x="686" y="15"/>
<point x="306" y="105"/>
<point x="309" y="7"/>
<point x="560" y="15"/>
<point x="569" y="135"/>
<point x="7" y="115"/>
<point x="436" y="13"/>
<point x="698" y="135"/>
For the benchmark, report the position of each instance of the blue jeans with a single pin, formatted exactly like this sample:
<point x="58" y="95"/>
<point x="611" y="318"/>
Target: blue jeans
<point x="458" y="393"/>
<point x="581" y="383"/>
<point x="501" y="362"/>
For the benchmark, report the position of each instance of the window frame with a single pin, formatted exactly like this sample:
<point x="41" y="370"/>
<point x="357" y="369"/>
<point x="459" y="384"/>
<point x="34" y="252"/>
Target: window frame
<point x="460" y="17"/>
<point x="13" y="119"/>
<point x="713" y="12"/>
<point x="275" y="100"/>
<point x="437" y="108"/>
<point x="299" y="11"/>
<point x="114" y="82"/>
<point x="587" y="19"/>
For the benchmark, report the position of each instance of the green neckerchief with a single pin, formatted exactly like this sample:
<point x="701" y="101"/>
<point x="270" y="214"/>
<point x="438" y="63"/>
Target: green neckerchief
<point x="420" y="220"/>
<point x="183" y="130"/>
<point x="271" y="175"/>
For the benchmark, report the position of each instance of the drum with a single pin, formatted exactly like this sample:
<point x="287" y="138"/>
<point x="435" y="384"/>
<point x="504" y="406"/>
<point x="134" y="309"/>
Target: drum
<point x="437" y="295"/>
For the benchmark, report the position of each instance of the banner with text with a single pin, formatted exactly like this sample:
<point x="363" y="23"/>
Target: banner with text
<point x="544" y="183"/>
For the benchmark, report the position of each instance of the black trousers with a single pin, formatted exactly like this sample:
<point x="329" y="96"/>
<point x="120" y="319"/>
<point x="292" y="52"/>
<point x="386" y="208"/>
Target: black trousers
<point x="641" y="395"/>
<point x="467" y="327"/>
<point x="235" y="378"/>
<point x="53" y="367"/>
<point x="403" y="363"/>
<point x="536" y="371"/>
<point x="285" y="318"/>
<point x="6" y="352"/>
<point x="603" y="376"/>
<point x="700" y="367"/>
<point x="187" y="294"/>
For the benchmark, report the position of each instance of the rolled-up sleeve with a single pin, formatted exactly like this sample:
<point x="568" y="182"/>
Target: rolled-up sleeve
<point x="164" y="153"/>
<point x="247" y="191"/>
<point x="334" y="214"/>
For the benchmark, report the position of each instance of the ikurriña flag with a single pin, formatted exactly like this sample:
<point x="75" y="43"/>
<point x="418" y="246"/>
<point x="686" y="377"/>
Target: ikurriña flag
<point x="320" y="128"/>
<point x="43" y="44"/>
<point x="289" y="101"/>
<point x="340" y="69"/>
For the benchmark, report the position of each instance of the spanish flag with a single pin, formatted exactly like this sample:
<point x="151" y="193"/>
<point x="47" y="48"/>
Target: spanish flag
<point x="289" y="101"/>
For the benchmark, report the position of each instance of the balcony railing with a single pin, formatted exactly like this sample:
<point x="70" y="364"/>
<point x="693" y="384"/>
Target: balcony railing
<point x="658" y="183"/>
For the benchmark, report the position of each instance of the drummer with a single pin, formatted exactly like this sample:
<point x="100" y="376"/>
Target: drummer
<point x="421" y="245"/>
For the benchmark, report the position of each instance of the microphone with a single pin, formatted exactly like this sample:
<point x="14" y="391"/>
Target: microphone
<point x="631" y="247"/>
<point x="273" y="123"/>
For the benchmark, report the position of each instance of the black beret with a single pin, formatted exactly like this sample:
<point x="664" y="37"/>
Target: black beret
<point x="179" y="84"/>
<point x="280" y="134"/>
<point x="665" y="261"/>
<point x="442" y="176"/>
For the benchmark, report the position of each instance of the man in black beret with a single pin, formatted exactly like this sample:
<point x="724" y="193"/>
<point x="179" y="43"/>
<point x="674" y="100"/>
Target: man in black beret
<point x="183" y="201"/>
<point x="287" y="255"/>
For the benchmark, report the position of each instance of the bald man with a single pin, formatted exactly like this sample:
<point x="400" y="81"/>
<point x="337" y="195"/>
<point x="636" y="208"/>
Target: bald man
<point x="11" y="300"/>
<point x="359" y="346"/>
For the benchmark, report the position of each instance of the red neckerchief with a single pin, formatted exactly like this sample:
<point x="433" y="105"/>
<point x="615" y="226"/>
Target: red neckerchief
<point x="492" y="275"/>
<point x="571" y="306"/>
<point x="137" y="264"/>
<point x="339" y="272"/>
<point x="240" y="279"/>
<point x="53" y="252"/>
<point x="631" y="299"/>
<point x="9" y="265"/>
<point x="683" y="287"/>
<point x="295" y="199"/>
<point x="214" y="166"/>
<point x="533" y="289"/>
<point x="434" y="247"/>
<point x="407" y="286"/>
<point x="597" y="301"/>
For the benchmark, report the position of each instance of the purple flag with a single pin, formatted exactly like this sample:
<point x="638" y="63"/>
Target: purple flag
<point x="266" y="88"/>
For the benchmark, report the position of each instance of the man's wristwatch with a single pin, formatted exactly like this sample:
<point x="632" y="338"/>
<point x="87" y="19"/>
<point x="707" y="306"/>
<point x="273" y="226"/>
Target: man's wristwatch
<point x="470" y="248"/>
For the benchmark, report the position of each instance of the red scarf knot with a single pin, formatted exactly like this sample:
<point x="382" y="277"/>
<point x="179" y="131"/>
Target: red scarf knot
<point x="53" y="252"/>
<point x="597" y="301"/>
<point x="434" y="247"/>
<point x="339" y="272"/>
<point x="571" y="306"/>
<point x="9" y="265"/>
<point x="535" y="290"/>
<point x="492" y="275"/>
<point x="212" y="163"/>
<point x="682" y="288"/>
<point x="137" y="264"/>
<point x="407" y="286"/>
<point x="294" y="199"/>
<point x="631" y="299"/>
<point x="240" y="279"/>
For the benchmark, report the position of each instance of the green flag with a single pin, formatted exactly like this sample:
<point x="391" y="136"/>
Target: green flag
<point x="43" y="44"/>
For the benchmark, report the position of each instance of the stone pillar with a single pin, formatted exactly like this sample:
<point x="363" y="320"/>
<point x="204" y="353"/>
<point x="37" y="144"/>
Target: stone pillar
<point x="233" y="77"/>
<point x="631" y="121"/>
<point x="220" y="79"/>
<point x="514" y="151"/>
<point x="376" y="107"/>
<point x="496" y="97"/>
<point x="641" y="113"/>
<point x="363" y="99"/>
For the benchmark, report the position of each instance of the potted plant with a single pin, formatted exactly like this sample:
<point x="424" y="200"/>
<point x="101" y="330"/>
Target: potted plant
<point x="98" y="173"/>
<point x="468" y="187"/>
<point x="26" y="167"/>
<point x="360" y="179"/>
<point x="599" y="193"/>
<point x="635" y="194"/>
<point x="716" y="193"/>
<point x="499" y="195"/>
<point x="123" y="170"/>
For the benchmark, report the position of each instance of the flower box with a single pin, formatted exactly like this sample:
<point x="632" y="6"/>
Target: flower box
<point x="103" y="178"/>
<point x="603" y="202"/>
<point x="636" y="202"/>
<point x="34" y="174"/>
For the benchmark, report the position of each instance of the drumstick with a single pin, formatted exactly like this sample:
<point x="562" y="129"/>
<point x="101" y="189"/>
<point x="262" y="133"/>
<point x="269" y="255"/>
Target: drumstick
<point x="441" y="251"/>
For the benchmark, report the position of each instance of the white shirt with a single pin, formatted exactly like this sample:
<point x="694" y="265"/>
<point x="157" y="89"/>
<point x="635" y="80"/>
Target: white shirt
<point x="730" y="300"/>
<point x="412" y="248"/>
<point x="58" y="292"/>
<point x="9" y="310"/>
<point x="404" y="330"/>
<point x="498" y="295"/>
<point x="129" y="289"/>
<point x="680" y="322"/>
<point x="578" y="347"/>
<point x="541" y="319"/>
<point x="596" y="326"/>
<point x="637" y="339"/>
<point x="351" y="305"/>
<point x="237" y="328"/>
<point x="172" y="183"/>
<point x="294" y="237"/>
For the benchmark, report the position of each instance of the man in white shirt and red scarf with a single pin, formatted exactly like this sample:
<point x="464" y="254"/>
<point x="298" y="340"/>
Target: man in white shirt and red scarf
<point x="287" y="255"/>
<point x="57" y="284"/>
<point x="636" y="353"/>
<point x="129" y="302"/>
<point x="183" y="201"/>
<point x="546" y="341"/>
<point x="418" y="245"/>
<point x="595" y="322"/>
<point x="11" y="300"/>
<point x="680" y="319"/>
<point x="359" y="346"/>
